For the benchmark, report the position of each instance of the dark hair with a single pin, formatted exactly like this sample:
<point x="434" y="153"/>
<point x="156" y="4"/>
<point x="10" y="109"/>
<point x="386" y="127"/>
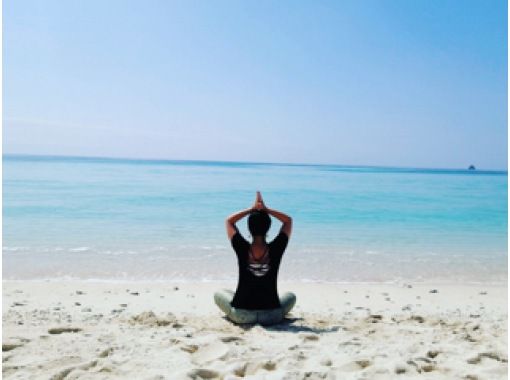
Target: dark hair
<point x="259" y="223"/>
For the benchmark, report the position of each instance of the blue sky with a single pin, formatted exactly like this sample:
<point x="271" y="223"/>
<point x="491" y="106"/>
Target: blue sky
<point x="392" y="83"/>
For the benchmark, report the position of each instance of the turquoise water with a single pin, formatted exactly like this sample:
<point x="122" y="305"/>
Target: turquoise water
<point x="164" y="220"/>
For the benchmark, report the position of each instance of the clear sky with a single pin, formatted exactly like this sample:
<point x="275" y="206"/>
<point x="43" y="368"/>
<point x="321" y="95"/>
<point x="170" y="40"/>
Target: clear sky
<point x="418" y="83"/>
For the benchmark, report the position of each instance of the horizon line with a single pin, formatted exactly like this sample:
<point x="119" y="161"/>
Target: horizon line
<point x="118" y="158"/>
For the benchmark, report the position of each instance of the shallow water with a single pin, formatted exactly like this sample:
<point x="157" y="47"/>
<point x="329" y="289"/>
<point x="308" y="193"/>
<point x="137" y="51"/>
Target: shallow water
<point x="164" y="220"/>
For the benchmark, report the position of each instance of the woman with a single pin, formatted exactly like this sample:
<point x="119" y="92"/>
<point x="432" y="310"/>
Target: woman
<point x="256" y="298"/>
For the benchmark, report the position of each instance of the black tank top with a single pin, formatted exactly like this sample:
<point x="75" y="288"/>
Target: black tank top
<point x="256" y="287"/>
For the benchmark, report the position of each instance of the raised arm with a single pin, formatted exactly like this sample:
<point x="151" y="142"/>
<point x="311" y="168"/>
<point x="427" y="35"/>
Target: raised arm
<point x="284" y="218"/>
<point x="231" y="221"/>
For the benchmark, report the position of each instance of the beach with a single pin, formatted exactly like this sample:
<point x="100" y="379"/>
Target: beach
<point x="110" y="267"/>
<point x="173" y="330"/>
<point x="353" y="153"/>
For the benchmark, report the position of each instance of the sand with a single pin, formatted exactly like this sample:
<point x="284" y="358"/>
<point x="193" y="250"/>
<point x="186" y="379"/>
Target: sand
<point x="101" y="330"/>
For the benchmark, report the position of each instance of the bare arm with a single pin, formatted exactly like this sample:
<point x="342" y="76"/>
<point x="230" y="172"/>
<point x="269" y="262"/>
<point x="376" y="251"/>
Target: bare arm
<point x="284" y="218"/>
<point x="258" y="205"/>
<point x="231" y="221"/>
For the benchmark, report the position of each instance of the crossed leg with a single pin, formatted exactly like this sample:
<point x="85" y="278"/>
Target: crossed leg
<point x="224" y="297"/>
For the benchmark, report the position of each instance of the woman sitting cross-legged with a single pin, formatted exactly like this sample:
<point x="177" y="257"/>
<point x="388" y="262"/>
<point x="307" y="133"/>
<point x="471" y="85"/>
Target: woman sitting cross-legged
<point x="256" y="298"/>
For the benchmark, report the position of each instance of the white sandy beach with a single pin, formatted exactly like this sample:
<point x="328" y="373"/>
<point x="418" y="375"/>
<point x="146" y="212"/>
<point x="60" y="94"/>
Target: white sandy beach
<point x="100" y="330"/>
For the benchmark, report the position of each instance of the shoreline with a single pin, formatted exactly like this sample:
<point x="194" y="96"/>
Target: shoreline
<point x="233" y="282"/>
<point x="87" y="329"/>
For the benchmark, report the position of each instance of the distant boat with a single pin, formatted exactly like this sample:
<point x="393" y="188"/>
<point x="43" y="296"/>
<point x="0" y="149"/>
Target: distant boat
<point x="471" y="167"/>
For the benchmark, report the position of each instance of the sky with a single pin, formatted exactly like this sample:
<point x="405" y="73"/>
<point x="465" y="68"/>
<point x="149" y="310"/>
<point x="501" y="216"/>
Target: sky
<point x="403" y="83"/>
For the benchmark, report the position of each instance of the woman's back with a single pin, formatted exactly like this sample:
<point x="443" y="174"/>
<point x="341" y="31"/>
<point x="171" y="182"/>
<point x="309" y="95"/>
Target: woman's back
<point x="257" y="282"/>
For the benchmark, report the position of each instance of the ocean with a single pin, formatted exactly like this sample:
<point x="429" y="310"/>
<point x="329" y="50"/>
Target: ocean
<point x="163" y="220"/>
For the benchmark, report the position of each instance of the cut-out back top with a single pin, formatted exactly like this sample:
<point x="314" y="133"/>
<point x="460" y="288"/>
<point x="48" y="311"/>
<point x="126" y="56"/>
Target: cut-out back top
<point x="257" y="284"/>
